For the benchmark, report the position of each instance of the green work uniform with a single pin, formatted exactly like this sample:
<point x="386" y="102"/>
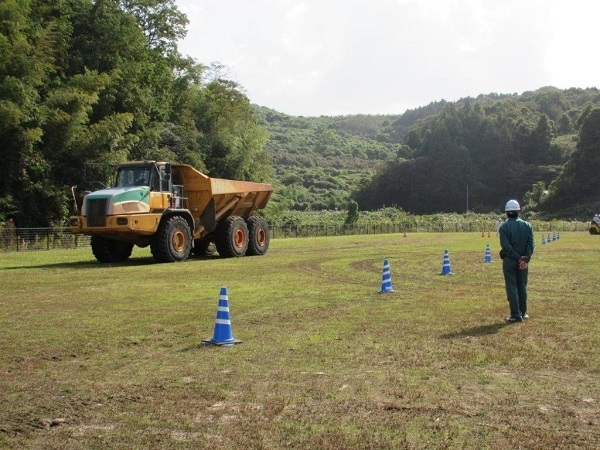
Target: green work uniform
<point x="516" y="239"/>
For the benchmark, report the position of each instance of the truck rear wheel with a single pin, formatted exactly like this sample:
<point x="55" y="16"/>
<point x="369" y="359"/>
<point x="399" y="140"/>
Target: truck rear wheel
<point x="232" y="237"/>
<point x="173" y="240"/>
<point x="109" y="250"/>
<point x="258" y="243"/>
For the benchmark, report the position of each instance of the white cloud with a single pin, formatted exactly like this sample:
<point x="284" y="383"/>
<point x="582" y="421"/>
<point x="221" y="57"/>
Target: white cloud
<point x="573" y="61"/>
<point x="316" y="57"/>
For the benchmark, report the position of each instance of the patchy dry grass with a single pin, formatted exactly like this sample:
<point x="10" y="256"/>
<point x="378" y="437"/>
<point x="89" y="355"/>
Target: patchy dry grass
<point x="101" y="356"/>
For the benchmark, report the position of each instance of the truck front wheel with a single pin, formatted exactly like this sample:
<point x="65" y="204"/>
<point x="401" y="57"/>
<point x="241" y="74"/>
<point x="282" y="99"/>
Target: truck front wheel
<point x="173" y="240"/>
<point x="258" y="229"/>
<point x="109" y="250"/>
<point x="232" y="237"/>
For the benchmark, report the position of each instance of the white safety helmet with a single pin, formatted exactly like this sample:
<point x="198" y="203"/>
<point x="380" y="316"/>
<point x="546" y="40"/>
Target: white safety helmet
<point x="512" y="205"/>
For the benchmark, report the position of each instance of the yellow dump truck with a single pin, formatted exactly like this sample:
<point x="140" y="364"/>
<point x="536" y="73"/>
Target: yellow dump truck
<point x="176" y="210"/>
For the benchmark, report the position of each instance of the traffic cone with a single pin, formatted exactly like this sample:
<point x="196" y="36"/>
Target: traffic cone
<point x="386" y="278"/>
<point x="223" y="334"/>
<point x="553" y="236"/>
<point x="446" y="265"/>
<point x="557" y="235"/>
<point x="488" y="254"/>
<point x="549" y="238"/>
<point x="543" y="240"/>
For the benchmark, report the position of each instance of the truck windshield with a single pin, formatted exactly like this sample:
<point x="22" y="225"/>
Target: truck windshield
<point x="137" y="176"/>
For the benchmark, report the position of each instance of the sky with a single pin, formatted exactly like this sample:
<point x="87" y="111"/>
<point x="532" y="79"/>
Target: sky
<point x="342" y="57"/>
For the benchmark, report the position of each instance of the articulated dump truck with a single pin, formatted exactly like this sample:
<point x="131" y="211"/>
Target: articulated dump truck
<point x="174" y="209"/>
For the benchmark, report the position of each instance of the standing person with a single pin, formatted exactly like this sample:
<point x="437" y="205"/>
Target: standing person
<point x="516" y="240"/>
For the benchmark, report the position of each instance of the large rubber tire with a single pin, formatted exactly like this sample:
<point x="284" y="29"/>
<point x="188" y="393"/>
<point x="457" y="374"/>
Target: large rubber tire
<point x="109" y="250"/>
<point x="259" y="239"/>
<point x="232" y="237"/>
<point x="204" y="247"/>
<point x="172" y="241"/>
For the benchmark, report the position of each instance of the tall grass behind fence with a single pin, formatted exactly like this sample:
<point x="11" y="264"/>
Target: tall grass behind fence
<point x="284" y="231"/>
<point x="30" y="239"/>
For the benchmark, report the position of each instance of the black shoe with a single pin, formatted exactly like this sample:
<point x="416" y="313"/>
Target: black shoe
<point x="513" y="319"/>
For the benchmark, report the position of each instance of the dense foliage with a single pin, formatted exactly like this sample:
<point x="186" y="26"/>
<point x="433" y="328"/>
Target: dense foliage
<point x="87" y="83"/>
<point x="319" y="161"/>
<point x="471" y="155"/>
<point x="478" y="154"/>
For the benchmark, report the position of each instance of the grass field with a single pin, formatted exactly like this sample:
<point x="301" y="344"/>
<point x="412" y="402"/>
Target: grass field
<point x="96" y="356"/>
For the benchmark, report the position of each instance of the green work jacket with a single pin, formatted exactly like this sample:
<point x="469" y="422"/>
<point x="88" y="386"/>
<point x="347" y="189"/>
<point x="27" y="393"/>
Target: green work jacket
<point x="516" y="239"/>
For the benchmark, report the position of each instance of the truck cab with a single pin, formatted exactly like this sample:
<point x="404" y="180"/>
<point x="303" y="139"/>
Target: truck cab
<point x="156" y="176"/>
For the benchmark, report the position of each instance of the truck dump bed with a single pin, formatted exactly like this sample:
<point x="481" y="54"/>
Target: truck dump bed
<point x="231" y="197"/>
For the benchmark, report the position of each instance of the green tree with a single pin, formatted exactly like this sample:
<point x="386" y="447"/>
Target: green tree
<point x="232" y="140"/>
<point x="539" y="149"/>
<point x="353" y="214"/>
<point x="111" y="41"/>
<point x="161" y="21"/>
<point x="30" y="47"/>
<point x="577" y="184"/>
<point x="535" y="196"/>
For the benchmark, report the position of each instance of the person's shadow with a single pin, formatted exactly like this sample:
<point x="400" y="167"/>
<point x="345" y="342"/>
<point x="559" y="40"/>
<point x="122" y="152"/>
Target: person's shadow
<point x="476" y="331"/>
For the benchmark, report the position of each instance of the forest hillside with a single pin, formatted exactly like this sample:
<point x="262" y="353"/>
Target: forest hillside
<point x="539" y="147"/>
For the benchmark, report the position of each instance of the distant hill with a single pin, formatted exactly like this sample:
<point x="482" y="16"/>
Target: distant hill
<point x="319" y="161"/>
<point x="443" y="157"/>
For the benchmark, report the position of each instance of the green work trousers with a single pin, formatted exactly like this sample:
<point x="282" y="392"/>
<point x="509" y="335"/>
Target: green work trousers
<point x="515" y="281"/>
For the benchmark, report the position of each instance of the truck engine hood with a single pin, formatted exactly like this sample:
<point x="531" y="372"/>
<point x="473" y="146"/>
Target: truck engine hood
<point x="120" y="200"/>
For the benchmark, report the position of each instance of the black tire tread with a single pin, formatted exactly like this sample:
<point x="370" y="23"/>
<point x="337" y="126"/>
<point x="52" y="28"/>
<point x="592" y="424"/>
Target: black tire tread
<point x="224" y="236"/>
<point x="254" y="224"/>
<point x="161" y="242"/>
<point x="110" y="251"/>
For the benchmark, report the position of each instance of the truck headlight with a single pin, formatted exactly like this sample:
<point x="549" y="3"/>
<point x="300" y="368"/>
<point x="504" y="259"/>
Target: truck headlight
<point x="121" y="220"/>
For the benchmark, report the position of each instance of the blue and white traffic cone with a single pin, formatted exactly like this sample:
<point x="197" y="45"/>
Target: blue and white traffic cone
<point x="386" y="278"/>
<point x="488" y="254"/>
<point x="223" y="334"/>
<point x="549" y="238"/>
<point x="543" y="240"/>
<point x="557" y="235"/>
<point x="553" y="236"/>
<point x="446" y="265"/>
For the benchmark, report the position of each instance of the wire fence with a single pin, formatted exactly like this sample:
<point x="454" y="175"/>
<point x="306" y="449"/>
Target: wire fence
<point x="29" y="239"/>
<point x="32" y="239"/>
